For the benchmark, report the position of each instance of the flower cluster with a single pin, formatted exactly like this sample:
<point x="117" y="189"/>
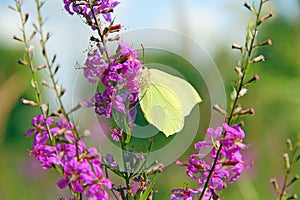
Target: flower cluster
<point x="229" y="164"/>
<point x="121" y="80"/>
<point x="90" y="9"/>
<point x="80" y="167"/>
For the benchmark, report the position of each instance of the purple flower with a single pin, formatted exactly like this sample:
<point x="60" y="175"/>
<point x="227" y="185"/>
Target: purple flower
<point x="46" y="155"/>
<point x="39" y="124"/>
<point x="229" y="164"/>
<point x="116" y="134"/>
<point x="94" y="66"/>
<point x="213" y="137"/>
<point x="187" y="194"/>
<point x="96" y="188"/>
<point x="126" y="50"/>
<point x="110" y="161"/>
<point x="99" y="7"/>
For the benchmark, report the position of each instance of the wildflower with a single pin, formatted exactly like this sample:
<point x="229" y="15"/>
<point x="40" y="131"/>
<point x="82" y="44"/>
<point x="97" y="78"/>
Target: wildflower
<point x="186" y="194"/>
<point x="116" y="134"/>
<point x="229" y="164"/>
<point x="94" y="66"/>
<point x="110" y="161"/>
<point x="86" y="9"/>
<point x="81" y="167"/>
<point x="39" y="124"/>
<point x="121" y="80"/>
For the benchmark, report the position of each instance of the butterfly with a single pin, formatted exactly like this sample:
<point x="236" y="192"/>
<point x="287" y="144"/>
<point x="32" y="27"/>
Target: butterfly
<point x="166" y="100"/>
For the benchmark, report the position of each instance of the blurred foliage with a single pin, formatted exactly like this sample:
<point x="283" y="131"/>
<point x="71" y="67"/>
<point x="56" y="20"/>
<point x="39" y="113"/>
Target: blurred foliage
<point x="276" y="99"/>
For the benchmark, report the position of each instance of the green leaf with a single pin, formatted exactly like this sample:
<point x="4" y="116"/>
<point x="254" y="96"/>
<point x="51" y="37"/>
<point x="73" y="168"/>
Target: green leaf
<point x="149" y="188"/>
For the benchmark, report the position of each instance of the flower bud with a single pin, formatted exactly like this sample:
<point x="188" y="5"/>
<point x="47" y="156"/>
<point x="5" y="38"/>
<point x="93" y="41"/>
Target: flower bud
<point x="28" y="102"/>
<point x="239" y="71"/>
<point x="262" y="19"/>
<point x="219" y="109"/>
<point x="43" y="66"/>
<point x="275" y="184"/>
<point x="246" y="4"/>
<point x="250" y="111"/>
<point x="235" y="46"/>
<point x="287" y="161"/>
<point x="17" y="38"/>
<point x="243" y="92"/>
<point x="268" y="42"/>
<point x="289" y="144"/>
<point x="115" y="28"/>
<point x="259" y="58"/>
<point x="253" y="79"/>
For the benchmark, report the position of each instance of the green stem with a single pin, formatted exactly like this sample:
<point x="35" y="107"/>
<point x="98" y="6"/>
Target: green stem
<point x="51" y="74"/>
<point x="32" y="68"/>
<point x="287" y="174"/>
<point x="246" y="62"/>
<point x="99" y="30"/>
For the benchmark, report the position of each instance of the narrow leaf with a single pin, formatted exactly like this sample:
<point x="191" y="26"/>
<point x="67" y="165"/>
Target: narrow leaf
<point x="149" y="188"/>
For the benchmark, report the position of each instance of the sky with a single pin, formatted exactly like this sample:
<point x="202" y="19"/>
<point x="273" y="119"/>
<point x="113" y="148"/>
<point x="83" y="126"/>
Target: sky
<point x="212" y="24"/>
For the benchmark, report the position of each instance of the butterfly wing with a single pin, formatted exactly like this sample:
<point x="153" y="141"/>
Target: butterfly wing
<point x="185" y="92"/>
<point x="161" y="108"/>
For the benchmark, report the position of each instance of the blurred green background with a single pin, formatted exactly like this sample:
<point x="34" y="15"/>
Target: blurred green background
<point x="275" y="97"/>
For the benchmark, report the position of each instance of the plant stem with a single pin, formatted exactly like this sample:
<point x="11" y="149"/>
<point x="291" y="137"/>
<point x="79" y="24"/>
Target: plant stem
<point x="102" y="39"/>
<point x="50" y="72"/>
<point x="246" y="61"/>
<point x="32" y="68"/>
<point x="287" y="174"/>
